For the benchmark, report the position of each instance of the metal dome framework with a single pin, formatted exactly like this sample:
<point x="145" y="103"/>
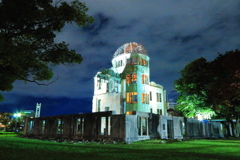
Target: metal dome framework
<point x="131" y="47"/>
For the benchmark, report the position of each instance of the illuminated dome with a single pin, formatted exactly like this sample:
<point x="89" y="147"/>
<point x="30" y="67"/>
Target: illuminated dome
<point x="131" y="47"/>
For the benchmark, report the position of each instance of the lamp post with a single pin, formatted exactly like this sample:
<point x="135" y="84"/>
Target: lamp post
<point x="16" y="115"/>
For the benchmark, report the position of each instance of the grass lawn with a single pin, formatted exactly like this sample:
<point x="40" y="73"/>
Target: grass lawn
<point x="12" y="148"/>
<point x="7" y="134"/>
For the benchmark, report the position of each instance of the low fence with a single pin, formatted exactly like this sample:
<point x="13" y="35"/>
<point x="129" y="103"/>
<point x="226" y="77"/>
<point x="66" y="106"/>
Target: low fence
<point x="123" y="127"/>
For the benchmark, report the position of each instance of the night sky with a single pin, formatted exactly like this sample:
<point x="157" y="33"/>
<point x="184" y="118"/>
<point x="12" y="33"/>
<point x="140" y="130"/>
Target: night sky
<point x="174" y="32"/>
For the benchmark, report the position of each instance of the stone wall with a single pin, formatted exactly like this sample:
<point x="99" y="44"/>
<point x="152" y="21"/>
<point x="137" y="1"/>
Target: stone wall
<point x="130" y="127"/>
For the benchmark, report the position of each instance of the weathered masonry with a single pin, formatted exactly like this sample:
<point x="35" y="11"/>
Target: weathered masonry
<point x="126" y="106"/>
<point x="126" y="86"/>
<point x="134" y="126"/>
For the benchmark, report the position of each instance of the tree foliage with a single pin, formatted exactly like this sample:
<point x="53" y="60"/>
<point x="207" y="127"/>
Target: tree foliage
<point x="211" y="87"/>
<point x="5" y="118"/>
<point x="193" y="105"/>
<point x="27" y="38"/>
<point x="192" y="88"/>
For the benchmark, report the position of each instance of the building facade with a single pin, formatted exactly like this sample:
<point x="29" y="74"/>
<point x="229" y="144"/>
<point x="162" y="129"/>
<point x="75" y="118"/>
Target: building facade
<point x="126" y="86"/>
<point x="126" y="106"/>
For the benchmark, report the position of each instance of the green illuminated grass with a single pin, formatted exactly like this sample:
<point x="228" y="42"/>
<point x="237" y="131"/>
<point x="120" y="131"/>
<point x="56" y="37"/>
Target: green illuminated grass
<point x="7" y="134"/>
<point x="25" y="149"/>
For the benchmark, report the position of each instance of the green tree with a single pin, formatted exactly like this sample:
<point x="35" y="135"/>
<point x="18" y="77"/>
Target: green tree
<point x="192" y="106"/>
<point x="211" y="88"/>
<point x="5" y="118"/>
<point x="196" y="77"/>
<point x="28" y="29"/>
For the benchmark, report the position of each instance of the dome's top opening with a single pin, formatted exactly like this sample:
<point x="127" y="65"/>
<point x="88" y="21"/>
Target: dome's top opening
<point x="131" y="47"/>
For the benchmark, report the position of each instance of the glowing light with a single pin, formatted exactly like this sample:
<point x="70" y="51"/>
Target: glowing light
<point x="200" y="117"/>
<point x="131" y="112"/>
<point x="128" y="112"/>
<point x="17" y="114"/>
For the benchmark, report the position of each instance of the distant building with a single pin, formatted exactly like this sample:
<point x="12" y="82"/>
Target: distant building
<point x="172" y="104"/>
<point x="29" y="113"/>
<point x="126" y="86"/>
<point x="38" y="110"/>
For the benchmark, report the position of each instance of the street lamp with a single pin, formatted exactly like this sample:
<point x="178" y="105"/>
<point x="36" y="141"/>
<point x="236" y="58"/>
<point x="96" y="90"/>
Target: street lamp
<point x="16" y="115"/>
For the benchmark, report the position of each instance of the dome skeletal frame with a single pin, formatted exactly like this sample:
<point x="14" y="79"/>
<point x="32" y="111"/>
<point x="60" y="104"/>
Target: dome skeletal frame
<point x="131" y="47"/>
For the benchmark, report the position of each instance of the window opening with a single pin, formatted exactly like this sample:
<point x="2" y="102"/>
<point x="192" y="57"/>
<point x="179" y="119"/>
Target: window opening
<point x="99" y="105"/>
<point x="78" y="125"/>
<point x="116" y="87"/>
<point x="109" y="125"/>
<point x="106" y="108"/>
<point x="43" y="126"/>
<point x="128" y="78"/>
<point x="144" y="62"/>
<point x="159" y="97"/>
<point x="134" y="78"/>
<point x="142" y="126"/>
<point x="145" y="98"/>
<point x="110" y="86"/>
<point x="99" y="84"/>
<point x="159" y="111"/>
<point x="129" y="61"/>
<point x="131" y="78"/>
<point x="82" y="125"/>
<point x="139" y="126"/>
<point x="134" y="61"/>
<point x="30" y="126"/>
<point x="60" y="126"/>
<point x="131" y="97"/>
<point x="103" y="126"/>
<point x="144" y="79"/>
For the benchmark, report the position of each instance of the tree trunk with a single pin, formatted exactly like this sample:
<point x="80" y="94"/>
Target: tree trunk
<point x="237" y="127"/>
<point x="230" y="121"/>
<point x="233" y="128"/>
<point x="227" y="129"/>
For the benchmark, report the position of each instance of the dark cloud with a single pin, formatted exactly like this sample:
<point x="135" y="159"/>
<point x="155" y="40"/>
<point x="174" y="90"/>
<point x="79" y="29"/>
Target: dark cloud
<point x="101" y="22"/>
<point x="99" y="44"/>
<point x="123" y="27"/>
<point x="185" y="39"/>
